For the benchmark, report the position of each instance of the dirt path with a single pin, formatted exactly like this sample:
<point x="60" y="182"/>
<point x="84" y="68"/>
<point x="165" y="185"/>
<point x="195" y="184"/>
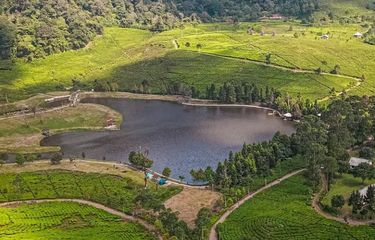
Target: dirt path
<point x="316" y="206"/>
<point x="213" y="232"/>
<point x="122" y="215"/>
<point x="294" y="70"/>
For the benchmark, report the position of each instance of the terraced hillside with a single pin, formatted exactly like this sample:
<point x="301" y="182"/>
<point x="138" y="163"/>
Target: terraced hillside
<point x="286" y="56"/>
<point x="65" y="221"/>
<point x="116" y="192"/>
<point x="284" y="212"/>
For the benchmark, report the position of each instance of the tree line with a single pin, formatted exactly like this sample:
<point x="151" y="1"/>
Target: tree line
<point x="322" y="141"/>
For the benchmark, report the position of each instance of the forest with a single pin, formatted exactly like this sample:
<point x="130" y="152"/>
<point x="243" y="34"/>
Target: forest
<point x="37" y="28"/>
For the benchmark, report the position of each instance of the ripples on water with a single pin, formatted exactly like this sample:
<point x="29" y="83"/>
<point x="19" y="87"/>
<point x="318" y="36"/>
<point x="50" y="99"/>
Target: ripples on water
<point x="176" y="136"/>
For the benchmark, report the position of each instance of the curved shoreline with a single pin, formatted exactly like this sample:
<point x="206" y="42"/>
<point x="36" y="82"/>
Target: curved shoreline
<point x="112" y="211"/>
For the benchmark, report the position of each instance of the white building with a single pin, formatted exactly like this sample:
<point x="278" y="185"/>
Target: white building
<point x="354" y="161"/>
<point x="358" y="35"/>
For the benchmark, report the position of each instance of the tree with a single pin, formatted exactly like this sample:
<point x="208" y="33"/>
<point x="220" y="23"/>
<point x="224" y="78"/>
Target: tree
<point x="20" y="159"/>
<point x="8" y="41"/>
<point x="364" y="171"/>
<point x="367" y="153"/>
<point x="337" y="201"/>
<point x="140" y="159"/>
<point x="356" y="201"/>
<point x="167" y="172"/>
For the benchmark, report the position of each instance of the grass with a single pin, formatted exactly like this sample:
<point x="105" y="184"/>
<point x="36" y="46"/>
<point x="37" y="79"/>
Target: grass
<point x="23" y="134"/>
<point x="284" y="212"/>
<point x="131" y="56"/>
<point x="345" y="185"/>
<point x="110" y="190"/>
<point x="65" y="221"/>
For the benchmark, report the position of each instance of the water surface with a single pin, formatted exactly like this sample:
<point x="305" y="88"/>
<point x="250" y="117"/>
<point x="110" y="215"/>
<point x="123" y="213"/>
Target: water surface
<point x="176" y="136"/>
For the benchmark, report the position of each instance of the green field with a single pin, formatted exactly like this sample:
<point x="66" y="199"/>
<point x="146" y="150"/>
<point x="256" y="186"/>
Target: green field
<point x="130" y="56"/>
<point x="23" y="134"/>
<point x="65" y="221"/>
<point x="113" y="191"/>
<point x="284" y="212"/>
<point x="345" y="185"/>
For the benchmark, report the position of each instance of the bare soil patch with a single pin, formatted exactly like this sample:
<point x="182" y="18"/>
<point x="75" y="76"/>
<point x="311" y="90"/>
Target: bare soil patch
<point x="190" y="201"/>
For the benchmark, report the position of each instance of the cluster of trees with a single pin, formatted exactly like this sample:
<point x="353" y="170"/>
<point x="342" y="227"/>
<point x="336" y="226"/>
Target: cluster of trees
<point x="243" y="10"/>
<point x="321" y="141"/>
<point x="47" y="27"/>
<point x="239" y="93"/>
<point x="363" y="206"/>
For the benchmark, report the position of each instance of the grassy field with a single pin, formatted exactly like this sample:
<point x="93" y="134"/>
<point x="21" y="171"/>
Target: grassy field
<point x="130" y="56"/>
<point x="284" y="212"/>
<point x="345" y="185"/>
<point x="23" y="134"/>
<point x="65" y="221"/>
<point x="113" y="191"/>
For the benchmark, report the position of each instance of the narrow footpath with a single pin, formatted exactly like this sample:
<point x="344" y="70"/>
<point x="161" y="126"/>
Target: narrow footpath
<point x="317" y="207"/>
<point x="112" y="211"/>
<point x="213" y="231"/>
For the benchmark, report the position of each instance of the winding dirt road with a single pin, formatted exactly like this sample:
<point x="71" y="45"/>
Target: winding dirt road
<point x="213" y="232"/>
<point x="120" y="214"/>
<point x="317" y="207"/>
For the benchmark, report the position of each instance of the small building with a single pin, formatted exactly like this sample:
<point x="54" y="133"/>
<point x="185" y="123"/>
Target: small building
<point x="325" y="37"/>
<point x="354" y="161"/>
<point x="358" y="35"/>
<point x="276" y="17"/>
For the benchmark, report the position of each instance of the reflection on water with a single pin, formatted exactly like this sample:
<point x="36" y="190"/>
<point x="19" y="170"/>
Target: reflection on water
<point x="177" y="136"/>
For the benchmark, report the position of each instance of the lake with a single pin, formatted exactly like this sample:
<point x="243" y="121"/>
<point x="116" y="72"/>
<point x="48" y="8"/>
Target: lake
<point x="176" y="136"/>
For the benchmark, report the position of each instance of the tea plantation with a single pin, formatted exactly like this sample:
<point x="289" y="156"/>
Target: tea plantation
<point x="284" y="212"/>
<point x="65" y="221"/>
<point x="225" y="53"/>
<point x="112" y="191"/>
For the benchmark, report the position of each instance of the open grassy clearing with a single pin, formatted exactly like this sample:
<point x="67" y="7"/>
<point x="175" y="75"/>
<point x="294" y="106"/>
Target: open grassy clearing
<point x="23" y="133"/>
<point x="65" y="221"/>
<point x="345" y="185"/>
<point x="113" y="191"/>
<point x="130" y="56"/>
<point x="284" y="212"/>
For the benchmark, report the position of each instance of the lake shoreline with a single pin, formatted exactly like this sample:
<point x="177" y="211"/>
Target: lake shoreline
<point x="187" y="101"/>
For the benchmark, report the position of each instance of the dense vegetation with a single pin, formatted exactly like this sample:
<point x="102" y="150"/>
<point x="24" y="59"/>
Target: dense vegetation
<point x="65" y="221"/>
<point x="245" y="10"/>
<point x="284" y="212"/>
<point x="321" y="141"/>
<point x="47" y="27"/>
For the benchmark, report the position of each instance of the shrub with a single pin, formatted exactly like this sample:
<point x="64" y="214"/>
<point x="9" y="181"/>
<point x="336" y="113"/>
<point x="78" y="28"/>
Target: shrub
<point x="167" y="172"/>
<point x="367" y="152"/>
<point x="337" y="201"/>
<point x="20" y="159"/>
<point x="56" y="158"/>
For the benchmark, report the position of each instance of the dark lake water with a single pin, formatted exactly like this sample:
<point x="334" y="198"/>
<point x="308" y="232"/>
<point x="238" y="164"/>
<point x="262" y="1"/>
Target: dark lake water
<point x="176" y="136"/>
